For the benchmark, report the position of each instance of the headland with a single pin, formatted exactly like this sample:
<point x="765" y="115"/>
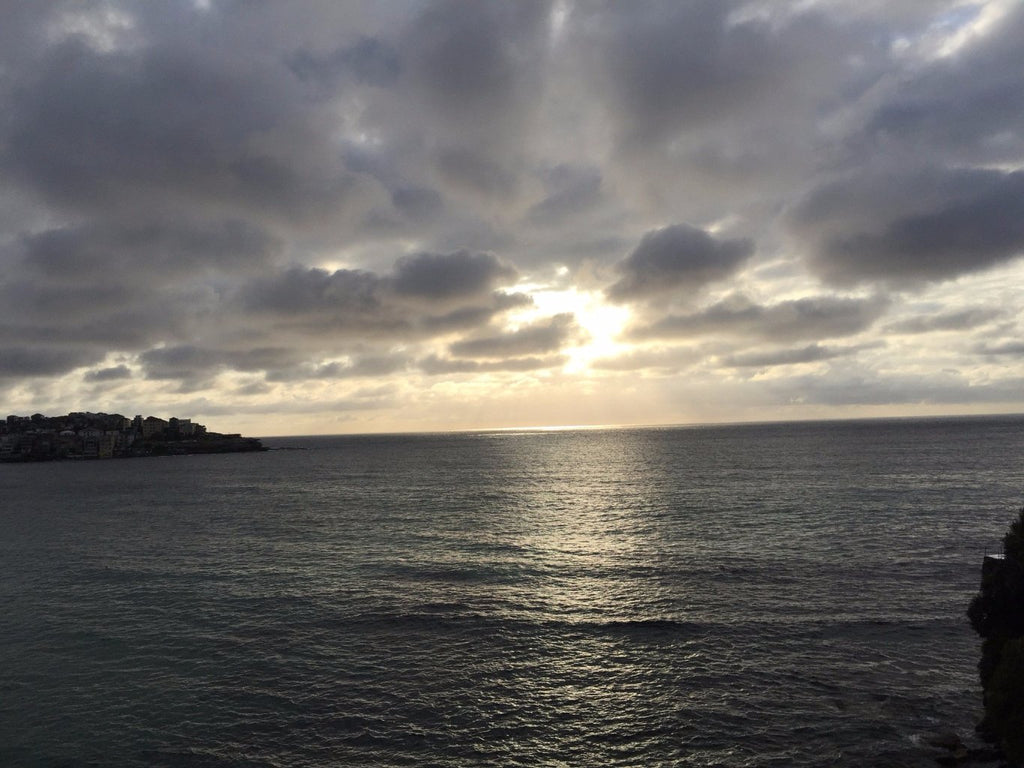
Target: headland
<point x="86" y="435"/>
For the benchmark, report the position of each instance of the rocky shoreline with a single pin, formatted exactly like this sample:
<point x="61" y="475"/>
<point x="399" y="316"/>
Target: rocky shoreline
<point x="948" y="749"/>
<point x="997" y="615"/>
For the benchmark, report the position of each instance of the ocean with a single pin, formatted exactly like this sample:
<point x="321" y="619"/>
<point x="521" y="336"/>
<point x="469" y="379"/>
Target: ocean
<point x="746" y="595"/>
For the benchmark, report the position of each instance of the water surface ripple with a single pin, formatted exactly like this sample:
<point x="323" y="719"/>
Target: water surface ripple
<point x="723" y="596"/>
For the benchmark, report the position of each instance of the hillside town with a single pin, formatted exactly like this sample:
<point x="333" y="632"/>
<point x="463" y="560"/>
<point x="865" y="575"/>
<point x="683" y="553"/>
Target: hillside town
<point x="85" y="435"/>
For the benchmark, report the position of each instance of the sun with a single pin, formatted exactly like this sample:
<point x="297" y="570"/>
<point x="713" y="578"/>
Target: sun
<point x="602" y="323"/>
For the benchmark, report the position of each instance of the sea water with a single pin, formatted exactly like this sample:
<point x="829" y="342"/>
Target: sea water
<point x="756" y="595"/>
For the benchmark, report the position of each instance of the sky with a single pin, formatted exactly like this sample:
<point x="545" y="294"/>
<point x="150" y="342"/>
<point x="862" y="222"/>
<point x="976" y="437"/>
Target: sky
<point x="329" y="217"/>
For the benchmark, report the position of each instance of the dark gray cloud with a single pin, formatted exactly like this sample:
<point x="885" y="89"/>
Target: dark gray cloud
<point x="1008" y="348"/>
<point x="443" y="277"/>
<point x="356" y="402"/>
<point x="18" y="361"/>
<point x="478" y="64"/>
<point x="194" y="364"/>
<point x="185" y="362"/>
<point x="925" y="190"/>
<point x="140" y="252"/>
<point x="215" y="126"/>
<point x="471" y="317"/>
<point x="57" y="304"/>
<point x="476" y="174"/>
<point x="570" y="191"/>
<point x="675" y="258"/>
<point x="91" y="127"/>
<point x="344" y="297"/>
<point x="417" y="203"/>
<point x="812" y="353"/>
<point x="99" y="327"/>
<point x="668" y="68"/>
<point x="437" y="366"/>
<point x="368" y="60"/>
<point x="961" y="320"/>
<point x="968" y="106"/>
<point x="109" y="374"/>
<point x="252" y="389"/>
<point x="671" y="65"/>
<point x="426" y="294"/>
<point x="273" y="322"/>
<point x="546" y="336"/>
<point x="98" y="309"/>
<point x="359" y="367"/>
<point x="942" y="224"/>
<point x="821" y="317"/>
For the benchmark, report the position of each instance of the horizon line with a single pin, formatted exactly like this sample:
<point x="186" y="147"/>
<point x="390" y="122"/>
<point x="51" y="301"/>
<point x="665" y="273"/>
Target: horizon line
<point x="666" y="425"/>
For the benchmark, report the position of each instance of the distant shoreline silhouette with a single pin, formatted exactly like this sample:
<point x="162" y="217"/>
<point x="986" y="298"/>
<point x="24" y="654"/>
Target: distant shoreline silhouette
<point x="86" y="435"/>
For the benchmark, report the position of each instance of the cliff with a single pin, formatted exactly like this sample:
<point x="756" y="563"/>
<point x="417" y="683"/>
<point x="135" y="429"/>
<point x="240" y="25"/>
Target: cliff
<point x="997" y="615"/>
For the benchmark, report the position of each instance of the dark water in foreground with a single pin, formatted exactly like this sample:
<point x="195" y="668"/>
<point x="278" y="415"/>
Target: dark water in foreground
<point x="729" y="596"/>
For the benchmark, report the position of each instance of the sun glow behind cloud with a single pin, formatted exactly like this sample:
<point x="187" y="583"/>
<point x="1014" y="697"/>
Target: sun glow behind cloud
<point x="601" y="323"/>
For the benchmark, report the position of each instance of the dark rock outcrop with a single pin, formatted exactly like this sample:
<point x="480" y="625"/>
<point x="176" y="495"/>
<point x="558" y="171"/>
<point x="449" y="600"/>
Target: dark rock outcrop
<point x="997" y="615"/>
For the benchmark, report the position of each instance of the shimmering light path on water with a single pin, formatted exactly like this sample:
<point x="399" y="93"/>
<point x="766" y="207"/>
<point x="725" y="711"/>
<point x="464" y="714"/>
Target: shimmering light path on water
<point x="734" y="596"/>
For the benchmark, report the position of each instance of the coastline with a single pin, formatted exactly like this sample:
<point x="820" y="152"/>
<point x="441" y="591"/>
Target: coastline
<point x="86" y="435"/>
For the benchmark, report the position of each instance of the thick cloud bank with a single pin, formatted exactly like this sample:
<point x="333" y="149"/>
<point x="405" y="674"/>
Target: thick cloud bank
<point x="458" y="213"/>
<point x="677" y="258"/>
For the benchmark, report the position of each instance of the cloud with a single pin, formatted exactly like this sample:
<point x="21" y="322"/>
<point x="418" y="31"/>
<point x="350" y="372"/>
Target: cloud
<point x="165" y="126"/>
<point x="961" y="320"/>
<point x="180" y="362"/>
<point x="819" y="317"/>
<point x="425" y="294"/>
<point x="812" y="353"/>
<point x="418" y="203"/>
<point x="477" y="66"/>
<point x="282" y="203"/>
<point x="17" y="361"/>
<point x="109" y="374"/>
<point x="1009" y="348"/>
<point x="545" y="336"/>
<point x="843" y="388"/>
<point x="679" y="257"/>
<point x="570" y="191"/>
<point x="470" y="317"/>
<point x="967" y="106"/>
<point x="667" y="361"/>
<point x="252" y="389"/>
<point x="344" y="296"/>
<point x="92" y="125"/>
<point x="476" y="174"/>
<point x="53" y="304"/>
<point x="359" y="367"/>
<point x="444" y="277"/>
<point x="51" y="360"/>
<point x="196" y="364"/>
<point x="144" y="251"/>
<point x="369" y="60"/>
<point x="436" y="366"/>
<point x="205" y="407"/>
<point x="671" y="67"/>
<point x="928" y="226"/>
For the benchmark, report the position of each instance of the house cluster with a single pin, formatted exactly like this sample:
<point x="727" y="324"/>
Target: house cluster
<point x="89" y="435"/>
